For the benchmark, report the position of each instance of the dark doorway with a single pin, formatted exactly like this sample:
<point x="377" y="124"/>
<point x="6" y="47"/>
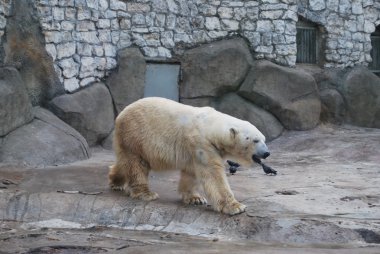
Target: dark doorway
<point x="375" y="51"/>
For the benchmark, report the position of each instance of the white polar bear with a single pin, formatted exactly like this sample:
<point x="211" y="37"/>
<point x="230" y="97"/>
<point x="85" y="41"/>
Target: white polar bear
<point x="160" y="134"/>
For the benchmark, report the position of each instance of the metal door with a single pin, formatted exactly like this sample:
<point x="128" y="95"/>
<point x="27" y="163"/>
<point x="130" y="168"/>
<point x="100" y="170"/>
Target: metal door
<point x="375" y="54"/>
<point x="307" y="45"/>
<point x="161" y="80"/>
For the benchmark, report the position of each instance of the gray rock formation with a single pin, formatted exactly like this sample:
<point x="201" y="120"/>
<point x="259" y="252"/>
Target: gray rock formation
<point x="107" y="143"/>
<point x="291" y="95"/>
<point x="126" y="83"/>
<point x="24" y="48"/>
<point x="236" y="106"/>
<point x="89" y="111"/>
<point x="333" y="108"/>
<point x="200" y="102"/>
<point x="215" y="68"/>
<point x="45" y="141"/>
<point x="15" y="106"/>
<point x="349" y="96"/>
<point x="361" y="91"/>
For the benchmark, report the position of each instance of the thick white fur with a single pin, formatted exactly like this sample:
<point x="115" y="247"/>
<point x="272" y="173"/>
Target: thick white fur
<point x="160" y="134"/>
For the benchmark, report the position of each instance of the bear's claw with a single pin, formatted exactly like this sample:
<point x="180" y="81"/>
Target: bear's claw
<point x="234" y="208"/>
<point x="116" y="187"/>
<point x="195" y="200"/>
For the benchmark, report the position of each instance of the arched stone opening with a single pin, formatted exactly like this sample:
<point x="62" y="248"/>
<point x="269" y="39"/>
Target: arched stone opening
<point x="375" y="51"/>
<point x="310" y="41"/>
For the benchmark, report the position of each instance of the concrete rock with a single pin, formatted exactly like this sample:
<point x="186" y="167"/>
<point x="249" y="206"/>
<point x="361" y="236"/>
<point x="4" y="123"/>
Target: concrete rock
<point x="126" y="83"/>
<point x="71" y="84"/>
<point x="333" y="108"/>
<point x="291" y="95"/>
<point x="107" y="143"/>
<point x="215" y="68"/>
<point x="89" y="111"/>
<point x="43" y="142"/>
<point x="25" y="49"/>
<point x="200" y="102"/>
<point x="236" y="106"/>
<point x="361" y="91"/>
<point x="66" y="50"/>
<point x="317" y="5"/>
<point x="70" y="68"/>
<point x="344" y="100"/>
<point x="15" y="106"/>
<point x="212" y="23"/>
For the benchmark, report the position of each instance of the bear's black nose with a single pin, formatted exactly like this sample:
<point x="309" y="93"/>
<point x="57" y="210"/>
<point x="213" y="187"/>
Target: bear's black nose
<point x="266" y="155"/>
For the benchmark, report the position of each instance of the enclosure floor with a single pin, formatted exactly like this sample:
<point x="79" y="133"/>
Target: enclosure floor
<point x="324" y="199"/>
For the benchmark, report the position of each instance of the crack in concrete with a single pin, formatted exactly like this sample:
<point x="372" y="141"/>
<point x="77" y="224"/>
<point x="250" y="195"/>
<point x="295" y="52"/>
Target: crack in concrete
<point x="26" y="206"/>
<point x="13" y="206"/>
<point x="171" y="220"/>
<point x="40" y="210"/>
<point x="142" y="215"/>
<point x="77" y="208"/>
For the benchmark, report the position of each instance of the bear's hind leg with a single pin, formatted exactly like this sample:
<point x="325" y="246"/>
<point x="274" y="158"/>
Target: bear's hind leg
<point x="188" y="187"/>
<point x="130" y="174"/>
<point x="138" y="171"/>
<point x="117" y="178"/>
<point x="218" y="191"/>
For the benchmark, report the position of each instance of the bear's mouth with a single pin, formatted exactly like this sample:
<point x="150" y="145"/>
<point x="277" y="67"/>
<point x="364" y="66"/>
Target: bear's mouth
<point x="256" y="159"/>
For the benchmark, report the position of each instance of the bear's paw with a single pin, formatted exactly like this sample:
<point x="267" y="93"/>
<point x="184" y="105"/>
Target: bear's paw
<point x="194" y="200"/>
<point x="146" y="196"/>
<point x="233" y="208"/>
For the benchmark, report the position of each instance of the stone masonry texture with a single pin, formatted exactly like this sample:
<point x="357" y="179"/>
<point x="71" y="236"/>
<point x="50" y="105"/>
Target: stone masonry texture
<point x="83" y="36"/>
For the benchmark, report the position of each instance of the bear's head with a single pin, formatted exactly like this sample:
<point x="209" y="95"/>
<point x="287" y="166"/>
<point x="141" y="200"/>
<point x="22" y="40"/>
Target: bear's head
<point x="247" y="141"/>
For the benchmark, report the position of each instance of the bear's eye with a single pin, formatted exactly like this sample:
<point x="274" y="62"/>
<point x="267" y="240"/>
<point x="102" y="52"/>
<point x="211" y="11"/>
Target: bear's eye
<point x="256" y="141"/>
<point x="247" y="138"/>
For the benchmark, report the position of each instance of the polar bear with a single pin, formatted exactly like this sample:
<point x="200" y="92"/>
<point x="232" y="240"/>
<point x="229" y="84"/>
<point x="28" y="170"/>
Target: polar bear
<point x="160" y="134"/>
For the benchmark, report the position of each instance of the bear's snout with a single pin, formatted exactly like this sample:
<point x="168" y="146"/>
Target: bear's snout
<point x="262" y="151"/>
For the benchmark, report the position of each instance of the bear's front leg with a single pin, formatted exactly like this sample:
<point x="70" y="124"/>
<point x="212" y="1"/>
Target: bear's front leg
<point x="217" y="189"/>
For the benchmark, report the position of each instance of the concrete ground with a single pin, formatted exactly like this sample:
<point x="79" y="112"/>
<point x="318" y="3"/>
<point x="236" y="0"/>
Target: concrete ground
<point x="325" y="199"/>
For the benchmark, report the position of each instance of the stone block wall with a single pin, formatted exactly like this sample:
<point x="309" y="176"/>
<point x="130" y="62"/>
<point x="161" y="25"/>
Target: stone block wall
<point x="83" y="36"/>
<point x="348" y="25"/>
<point x="5" y="10"/>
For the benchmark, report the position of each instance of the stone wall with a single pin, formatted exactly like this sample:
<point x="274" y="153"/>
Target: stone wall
<point x="348" y="25"/>
<point x="5" y="9"/>
<point x="83" y="36"/>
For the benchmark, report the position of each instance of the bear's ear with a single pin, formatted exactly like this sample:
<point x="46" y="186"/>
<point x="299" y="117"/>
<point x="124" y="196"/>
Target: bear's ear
<point x="233" y="132"/>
